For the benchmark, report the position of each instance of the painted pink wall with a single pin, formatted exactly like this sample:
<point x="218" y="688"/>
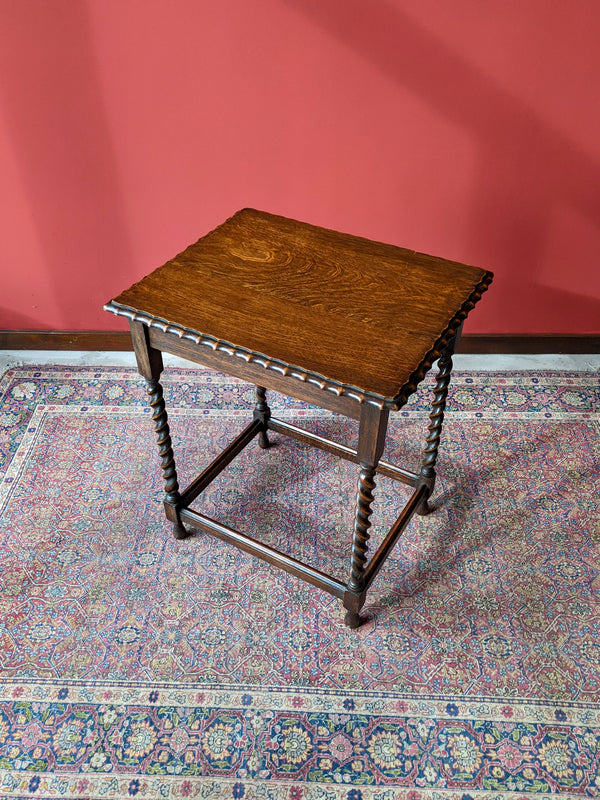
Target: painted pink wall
<point x="465" y="129"/>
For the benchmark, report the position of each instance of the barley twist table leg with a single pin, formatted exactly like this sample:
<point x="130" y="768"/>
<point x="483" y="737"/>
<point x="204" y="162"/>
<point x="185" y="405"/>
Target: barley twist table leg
<point x="362" y="523"/>
<point x="427" y="475"/>
<point x="165" y="452"/>
<point x="262" y="412"/>
<point x="371" y="441"/>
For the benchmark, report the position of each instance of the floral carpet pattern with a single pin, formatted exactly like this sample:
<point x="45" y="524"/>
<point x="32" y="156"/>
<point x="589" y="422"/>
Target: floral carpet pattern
<point x="135" y="665"/>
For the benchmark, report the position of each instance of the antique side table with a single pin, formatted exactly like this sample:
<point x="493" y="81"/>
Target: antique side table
<point x="343" y="322"/>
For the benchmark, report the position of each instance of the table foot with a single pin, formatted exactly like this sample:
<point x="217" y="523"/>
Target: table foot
<point x="179" y="532"/>
<point x="353" y="620"/>
<point x="424" y="508"/>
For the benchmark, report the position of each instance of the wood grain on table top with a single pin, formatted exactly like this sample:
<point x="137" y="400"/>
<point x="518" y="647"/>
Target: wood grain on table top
<point x="356" y="311"/>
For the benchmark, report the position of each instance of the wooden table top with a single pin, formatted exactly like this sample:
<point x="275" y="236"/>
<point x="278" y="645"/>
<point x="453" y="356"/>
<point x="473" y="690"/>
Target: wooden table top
<point x="358" y="313"/>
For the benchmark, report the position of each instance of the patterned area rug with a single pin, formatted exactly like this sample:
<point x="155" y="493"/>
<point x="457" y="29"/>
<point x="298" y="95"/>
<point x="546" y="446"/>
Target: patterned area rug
<point x="134" y="665"/>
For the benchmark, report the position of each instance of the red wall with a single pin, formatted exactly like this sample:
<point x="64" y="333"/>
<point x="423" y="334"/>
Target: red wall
<point x="465" y="129"/>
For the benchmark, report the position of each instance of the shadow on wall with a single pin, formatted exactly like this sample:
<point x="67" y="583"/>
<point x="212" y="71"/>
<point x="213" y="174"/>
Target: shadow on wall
<point x="15" y="320"/>
<point x="527" y="169"/>
<point x="552" y="305"/>
<point x="53" y="105"/>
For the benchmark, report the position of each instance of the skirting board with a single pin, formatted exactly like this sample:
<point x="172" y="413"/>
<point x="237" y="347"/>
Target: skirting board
<point x="492" y="343"/>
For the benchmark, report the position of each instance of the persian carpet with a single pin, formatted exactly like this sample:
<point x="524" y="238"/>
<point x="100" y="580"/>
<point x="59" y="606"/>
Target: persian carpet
<point x="135" y="665"/>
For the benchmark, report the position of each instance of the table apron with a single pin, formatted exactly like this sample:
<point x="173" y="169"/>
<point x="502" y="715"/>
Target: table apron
<point x="254" y="373"/>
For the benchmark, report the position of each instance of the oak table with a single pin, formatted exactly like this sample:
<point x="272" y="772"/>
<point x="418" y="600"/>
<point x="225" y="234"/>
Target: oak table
<point x="345" y="323"/>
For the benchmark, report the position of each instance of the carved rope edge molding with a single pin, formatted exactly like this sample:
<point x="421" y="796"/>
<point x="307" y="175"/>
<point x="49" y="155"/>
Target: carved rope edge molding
<point x="306" y="376"/>
<point x="417" y="376"/>
<point x="250" y="356"/>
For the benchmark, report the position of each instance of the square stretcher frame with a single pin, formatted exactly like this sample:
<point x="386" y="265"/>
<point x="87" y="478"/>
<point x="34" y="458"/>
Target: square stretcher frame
<point x="151" y="338"/>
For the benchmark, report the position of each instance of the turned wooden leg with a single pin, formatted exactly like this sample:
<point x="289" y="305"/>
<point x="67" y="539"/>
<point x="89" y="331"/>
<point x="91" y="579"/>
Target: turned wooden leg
<point x="150" y="365"/>
<point x="262" y="412"/>
<point x="360" y="539"/>
<point x="436" y="419"/>
<point x="167" y="459"/>
<point x="371" y="440"/>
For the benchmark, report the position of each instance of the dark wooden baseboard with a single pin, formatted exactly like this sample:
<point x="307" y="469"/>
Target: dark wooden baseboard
<point x="65" y="340"/>
<point x="498" y="343"/>
<point x="485" y="343"/>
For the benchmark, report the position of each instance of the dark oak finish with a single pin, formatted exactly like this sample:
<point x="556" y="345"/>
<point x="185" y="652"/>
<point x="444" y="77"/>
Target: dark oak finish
<point x="371" y="441"/>
<point x="150" y="365"/>
<point x="436" y="420"/>
<point x="349" y="324"/>
<point x="255" y="373"/>
<point x="311" y="303"/>
<point x="262" y="413"/>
